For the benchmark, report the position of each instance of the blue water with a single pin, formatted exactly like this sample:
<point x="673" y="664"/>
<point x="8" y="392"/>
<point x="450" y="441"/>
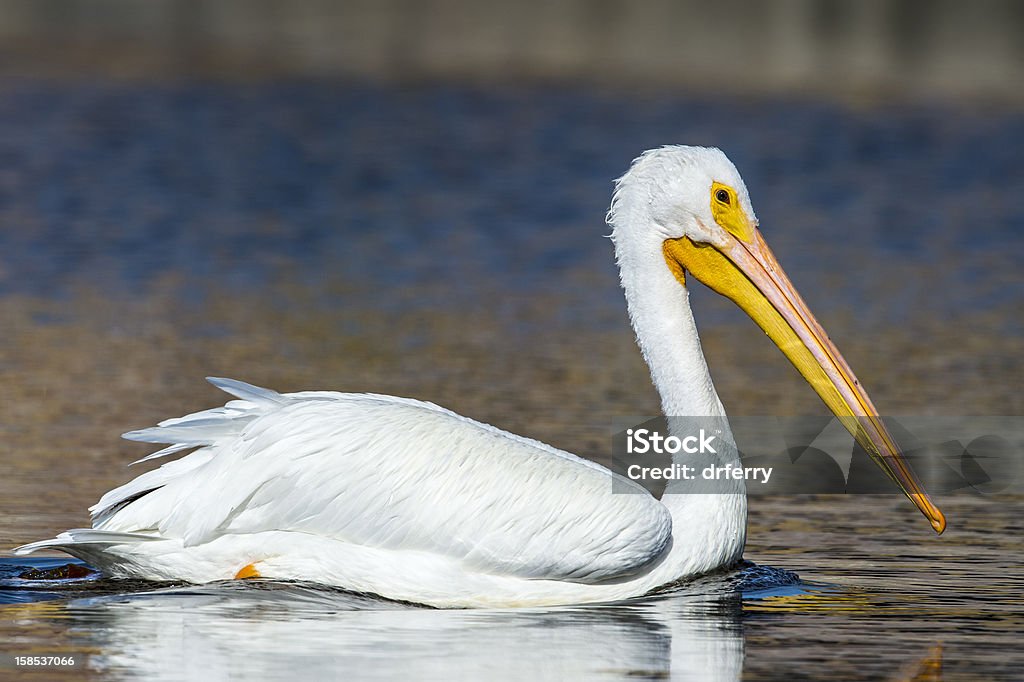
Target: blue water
<point x="236" y="186"/>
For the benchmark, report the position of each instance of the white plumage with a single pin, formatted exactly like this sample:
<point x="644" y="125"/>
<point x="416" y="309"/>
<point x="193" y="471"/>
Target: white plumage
<point x="392" y="474"/>
<point x="410" y="501"/>
<point x="377" y="494"/>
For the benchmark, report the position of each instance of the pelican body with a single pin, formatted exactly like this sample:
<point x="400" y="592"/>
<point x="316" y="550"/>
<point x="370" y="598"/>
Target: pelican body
<point x="406" y="500"/>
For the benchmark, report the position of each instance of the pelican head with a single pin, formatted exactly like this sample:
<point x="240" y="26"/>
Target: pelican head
<point x="687" y="210"/>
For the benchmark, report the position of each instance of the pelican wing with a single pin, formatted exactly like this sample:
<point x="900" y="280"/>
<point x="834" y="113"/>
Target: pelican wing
<point x="390" y="473"/>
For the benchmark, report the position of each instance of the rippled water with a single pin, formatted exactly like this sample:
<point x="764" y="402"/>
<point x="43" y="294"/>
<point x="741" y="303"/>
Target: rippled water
<point x="444" y="243"/>
<point x="875" y="599"/>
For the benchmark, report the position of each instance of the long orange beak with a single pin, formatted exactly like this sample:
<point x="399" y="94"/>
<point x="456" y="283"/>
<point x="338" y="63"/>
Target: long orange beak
<point x="745" y="270"/>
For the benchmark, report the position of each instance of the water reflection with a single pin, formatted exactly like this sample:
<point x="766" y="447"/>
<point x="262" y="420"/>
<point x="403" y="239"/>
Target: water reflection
<point x="275" y="631"/>
<point x="758" y="623"/>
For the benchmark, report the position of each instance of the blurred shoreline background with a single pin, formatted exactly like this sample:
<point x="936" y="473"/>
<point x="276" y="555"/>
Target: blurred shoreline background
<point x="870" y="48"/>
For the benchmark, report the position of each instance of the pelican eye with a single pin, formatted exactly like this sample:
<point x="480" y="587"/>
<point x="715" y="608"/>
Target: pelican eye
<point x="722" y="196"/>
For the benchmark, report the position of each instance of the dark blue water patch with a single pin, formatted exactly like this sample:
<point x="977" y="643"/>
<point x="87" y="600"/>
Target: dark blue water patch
<point x="230" y="185"/>
<point x="793" y="590"/>
<point x="12" y="567"/>
<point x="16" y="587"/>
<point x="746" y="580"/>
<point x="754" y="578"/>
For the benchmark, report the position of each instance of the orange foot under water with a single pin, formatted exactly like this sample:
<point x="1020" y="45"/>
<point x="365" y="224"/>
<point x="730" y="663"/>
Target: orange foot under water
<point x="247" y="571"/>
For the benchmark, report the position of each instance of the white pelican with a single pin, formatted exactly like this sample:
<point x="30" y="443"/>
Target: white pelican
<point x="406" y="500"/>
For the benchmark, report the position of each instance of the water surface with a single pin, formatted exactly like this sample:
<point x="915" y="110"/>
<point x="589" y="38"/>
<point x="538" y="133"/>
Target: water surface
<point x="446" y="243"/>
